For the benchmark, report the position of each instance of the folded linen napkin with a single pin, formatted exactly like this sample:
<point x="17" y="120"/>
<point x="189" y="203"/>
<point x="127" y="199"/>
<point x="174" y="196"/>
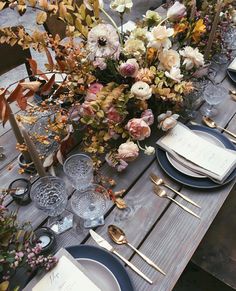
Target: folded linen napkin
<point x="232" y="66"/>
<point x="198" y="154"/>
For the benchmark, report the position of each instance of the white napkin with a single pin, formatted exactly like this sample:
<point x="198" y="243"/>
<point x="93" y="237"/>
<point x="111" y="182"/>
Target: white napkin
<point x="197" y="154"/>
<point x="232" y="66"/>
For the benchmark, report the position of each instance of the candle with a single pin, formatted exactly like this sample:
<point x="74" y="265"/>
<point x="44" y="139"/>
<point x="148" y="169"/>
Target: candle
<point x="213" y="29"/>
<point x="34" y="154"/>
<point x="20" y="191"/>
<point x="44" y="241"/>
<point x="17" y="133"/>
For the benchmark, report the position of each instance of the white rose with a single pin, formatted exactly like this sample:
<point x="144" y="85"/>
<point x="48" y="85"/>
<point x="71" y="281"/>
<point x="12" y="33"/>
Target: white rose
<point x="192" y="57"/>
<point x="159" y="37"/>
<point x="174" y="74"/>
<point x="149" y="150"/>
<point x="169" y="58"/>
<point x="121" y="6"/>
<point x="128" y="151"/>
<point x="167" y="120"/>
<point x="175" y="11"/>
<point x="141" y="90"/>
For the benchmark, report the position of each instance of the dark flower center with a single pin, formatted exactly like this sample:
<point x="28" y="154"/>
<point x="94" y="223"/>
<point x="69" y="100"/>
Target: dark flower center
<point x="102" y="41"/>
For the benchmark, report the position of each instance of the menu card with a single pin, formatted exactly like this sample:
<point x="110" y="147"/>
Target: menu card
<point x="67" y="275"/>
<point x="196" y="153"/>
<point x="232" y="66"/>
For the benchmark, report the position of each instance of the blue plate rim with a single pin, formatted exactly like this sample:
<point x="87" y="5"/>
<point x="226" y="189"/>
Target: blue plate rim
<point x="107" y="259"/>
<point x="203" y="183"/>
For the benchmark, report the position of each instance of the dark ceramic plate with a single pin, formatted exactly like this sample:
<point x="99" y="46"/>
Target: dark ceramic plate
<point x="106" y="259"/>
<point x="205" y="183"/>
<point x="232" y="75"/>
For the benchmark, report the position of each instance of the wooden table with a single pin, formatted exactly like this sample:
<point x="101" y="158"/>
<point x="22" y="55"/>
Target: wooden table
<point x="157" y="227"/>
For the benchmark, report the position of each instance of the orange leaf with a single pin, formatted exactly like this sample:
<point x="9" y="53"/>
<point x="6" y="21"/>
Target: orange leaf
<point x="49" y="57"/>
<point x="15" y="93"/>
<point x="4" y="109"/>
<point x="42" y="75"/>
<point x="33" y="86"/>
<point x="46" y="88"/>
<point x="22" y="102"/>
<point x="33" y="66"/>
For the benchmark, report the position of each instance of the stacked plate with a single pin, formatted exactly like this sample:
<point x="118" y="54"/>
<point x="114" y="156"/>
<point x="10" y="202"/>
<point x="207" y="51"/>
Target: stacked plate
<point x="107" y="271"/>
<point x="186" y="177"/>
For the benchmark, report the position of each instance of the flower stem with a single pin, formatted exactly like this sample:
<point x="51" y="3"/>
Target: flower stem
<point x="162" y="21"/>
<point x="113" y="23"/>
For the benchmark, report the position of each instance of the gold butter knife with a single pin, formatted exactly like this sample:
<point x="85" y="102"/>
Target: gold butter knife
<point x="105" y="244"/>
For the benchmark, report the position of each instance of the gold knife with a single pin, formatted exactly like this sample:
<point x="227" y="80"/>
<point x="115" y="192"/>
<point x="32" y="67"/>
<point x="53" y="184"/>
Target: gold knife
<point x="105" y="244"/>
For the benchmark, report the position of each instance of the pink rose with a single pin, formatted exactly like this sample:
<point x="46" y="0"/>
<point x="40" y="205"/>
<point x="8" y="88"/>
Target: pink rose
<point x="129" y="68"/>
<point x="167" y="120"/>
<point x="114" y="116"/>
<point x="92" y="91"/>
<point x="128" y="151"/>
<point x="138" y="129"/>
<point x="147" y="116"/>
<point x="86" y="109"/>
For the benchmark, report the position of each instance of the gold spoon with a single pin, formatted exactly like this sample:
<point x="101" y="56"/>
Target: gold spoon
<point x="159" y="181"/>
<point x="119" y="237"/>
<point x="162" y="193"/>
<point x="211" y="123"/>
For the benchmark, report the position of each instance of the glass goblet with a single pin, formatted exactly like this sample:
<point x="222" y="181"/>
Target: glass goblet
<point x="213" y="95"/>
<point x="79" y="170"/>
<point x="90" y="205"/>
<point x="49" y="194"/>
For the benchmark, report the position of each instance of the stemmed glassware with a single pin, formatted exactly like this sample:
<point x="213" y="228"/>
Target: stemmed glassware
<point x="213" y="95"/>
<point x="49" y="194"/>
<point x="90" y="205"/>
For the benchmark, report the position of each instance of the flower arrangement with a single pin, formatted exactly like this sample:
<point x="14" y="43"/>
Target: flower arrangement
<point x="16" y="251"/>
<point x="115" y="81"/>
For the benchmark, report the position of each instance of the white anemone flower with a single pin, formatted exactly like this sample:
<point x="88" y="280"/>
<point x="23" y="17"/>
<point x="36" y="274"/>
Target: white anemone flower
<point x="121" y="6"/>
<point x="103" y="42"/>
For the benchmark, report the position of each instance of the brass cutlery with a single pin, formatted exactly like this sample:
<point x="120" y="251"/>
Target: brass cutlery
<point x="105" y="244"/>
<point x="212" y="124"/>
<point x="119" y="237"/>
<point x="159" y="181"/>
<point x="162" y="193"/>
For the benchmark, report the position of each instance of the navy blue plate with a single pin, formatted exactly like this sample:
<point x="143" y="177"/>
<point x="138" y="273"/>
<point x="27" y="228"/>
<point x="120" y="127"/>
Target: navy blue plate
<point x="191" y="181"/>
<point x="105" y="258"/>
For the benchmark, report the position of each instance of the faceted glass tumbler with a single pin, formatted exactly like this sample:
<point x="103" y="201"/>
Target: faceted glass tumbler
<point x="49" y="194"/>
<point x="90" y="205"/>
<point x="79" y="170"/>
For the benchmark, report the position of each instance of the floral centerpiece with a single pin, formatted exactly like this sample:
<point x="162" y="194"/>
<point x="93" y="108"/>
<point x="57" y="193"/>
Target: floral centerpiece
<point x="115" y="80"/>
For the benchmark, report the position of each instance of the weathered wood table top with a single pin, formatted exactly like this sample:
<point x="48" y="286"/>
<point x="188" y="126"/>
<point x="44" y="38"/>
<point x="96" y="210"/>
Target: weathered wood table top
<point x="156" y="226"/>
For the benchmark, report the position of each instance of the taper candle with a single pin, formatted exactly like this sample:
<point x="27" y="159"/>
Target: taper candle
<point x="219" y="6"/>
<point x="34" y="154"/>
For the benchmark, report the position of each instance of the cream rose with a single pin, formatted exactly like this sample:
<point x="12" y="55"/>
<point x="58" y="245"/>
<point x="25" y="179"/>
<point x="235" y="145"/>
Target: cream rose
<point x="159" y="37"/>
<point x="169" y="58"/>
<point x="174" y="74"/>
<point x="138" y="129"/>
<point x="128" y="151"/>
<point x="141" y="90"/>
<point x="167" y="120"/>
<point x="134" y="47"/>
<point x="192" y="57"/>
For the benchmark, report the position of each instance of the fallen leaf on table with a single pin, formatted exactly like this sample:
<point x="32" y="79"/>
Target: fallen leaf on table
<point x="120" y="203"/>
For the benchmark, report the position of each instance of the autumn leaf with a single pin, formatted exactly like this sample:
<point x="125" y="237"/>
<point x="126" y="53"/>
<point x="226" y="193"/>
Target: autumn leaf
<point x="120" y="203"/>
<point x="32" y="2"/>
<point x="4" y="285"/>
<point x="4" y="109"/>
<point x="46" y="88"/>
<point x="2" y="4"/>
<point x="33" y="86"/>
<point x="41" y="17"/>
<point x="15" y="94"/>
<point x="50" y="60"/>
<point x="43" y="4"/>
<point x="33" y="66"/>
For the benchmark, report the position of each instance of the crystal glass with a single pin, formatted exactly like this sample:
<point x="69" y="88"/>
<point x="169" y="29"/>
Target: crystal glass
<point x="90" y="205"/>
<point x="79" y="169"/>
<point x="49" y="194"/>
<point x="213" y="95"/>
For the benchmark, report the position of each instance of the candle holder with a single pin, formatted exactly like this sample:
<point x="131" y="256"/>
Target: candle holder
<point x="28" y="167"/>
<point x="20" y="191"/>
<point x="45" y="237"/>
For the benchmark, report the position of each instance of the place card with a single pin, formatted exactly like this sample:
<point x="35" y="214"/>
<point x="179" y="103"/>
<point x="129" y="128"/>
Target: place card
<point x="198" y="154"/>
<point x="68" y="274"/>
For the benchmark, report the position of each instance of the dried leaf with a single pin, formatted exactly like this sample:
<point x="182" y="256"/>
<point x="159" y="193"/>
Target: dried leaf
<point x="4" y="285"/>
<point x="15" y="94"/>
<point x="48" y="161"/>
<point x="33" y="66"/>
<point x="4" y="109"/>
<point x="96" y="8"/>
<point x="41" y="17"/>
<point x="33" y="86"/>
<point x="62" y="10"/>
<point x="46" y="88"/>
<point x="32" y="2"/>
<point x="50" y="60"/>
<point x="43" y="4"/>
<point x="2" y="4"/>
<point x="60" y="157"/>
<point x="120" y="203"/>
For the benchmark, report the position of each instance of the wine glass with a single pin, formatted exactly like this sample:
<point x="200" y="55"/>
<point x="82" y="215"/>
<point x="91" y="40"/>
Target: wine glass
<point x="79" y="170"/>
<point x="49" y="194"/>
<point x="90" y="205"/>
<point x="213" y="95"/>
